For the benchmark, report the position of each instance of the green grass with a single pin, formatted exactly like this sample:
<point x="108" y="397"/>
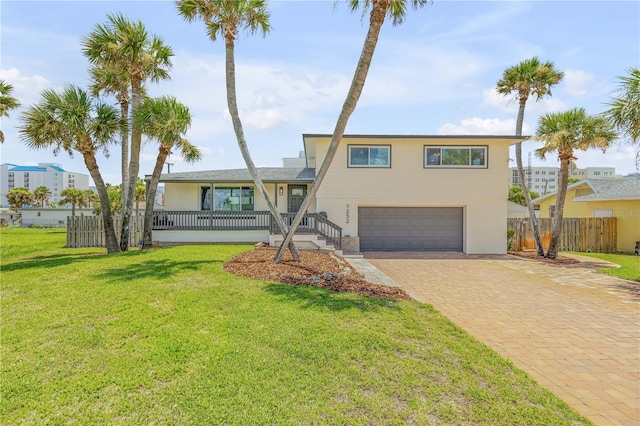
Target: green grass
<point x="629" y="265"/>
<point x="167" y="337"/>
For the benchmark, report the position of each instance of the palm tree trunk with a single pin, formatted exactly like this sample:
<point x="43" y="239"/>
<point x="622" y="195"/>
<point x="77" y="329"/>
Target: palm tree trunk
<point x="523" y="182"/>
<point x="124" y="143"/>
<point x="242" y="143"/>
<point x="558" y="211"/>
<point x="376" y="20"/>
<point x="73" y="208"/>
<point x="134" y="167"/>
<point x="147" y="234"/>
<point x="109" y="229"/>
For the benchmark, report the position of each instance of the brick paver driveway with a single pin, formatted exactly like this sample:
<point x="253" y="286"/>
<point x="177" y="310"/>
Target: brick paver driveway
<point x="576" y="332"/>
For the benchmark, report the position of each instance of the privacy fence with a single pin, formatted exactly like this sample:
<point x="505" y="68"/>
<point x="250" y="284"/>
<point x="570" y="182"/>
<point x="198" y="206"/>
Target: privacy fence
<point x="88" y="231"/>
<point x="594" y="234"/>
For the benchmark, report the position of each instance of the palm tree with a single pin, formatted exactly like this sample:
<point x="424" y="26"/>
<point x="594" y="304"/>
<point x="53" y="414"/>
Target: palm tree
<point x="73" y="196"/>
<point x="565" y="133"/>
<point x="380" y="9"/>
<point x="19" y="197"/>
<point x="529" y="78"/>
<point x="141" y="194"/>
<point x="42" y="195"/>
<point x="107" y="79"/>
<point x="165" y="120"/>
<point x="73" y="121"/>
<point x="7" y="102"/>
<point x="125" y="48"/>
<point x="90" y="198"/>
<point x="624" y="111"/>
<point x="226" y="18"/>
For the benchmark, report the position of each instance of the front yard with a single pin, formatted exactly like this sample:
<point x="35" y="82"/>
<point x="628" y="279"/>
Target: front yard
<point x="168" y="337"/>
<point x="629" y="265"/>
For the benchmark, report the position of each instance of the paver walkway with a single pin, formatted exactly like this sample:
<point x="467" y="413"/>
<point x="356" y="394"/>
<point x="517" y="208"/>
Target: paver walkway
<point x="574" y="331"/>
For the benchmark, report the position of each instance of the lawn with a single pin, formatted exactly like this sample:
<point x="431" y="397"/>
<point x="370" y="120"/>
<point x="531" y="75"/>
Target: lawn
<point x="629" y="265"/>
<point x="167" y="337"/>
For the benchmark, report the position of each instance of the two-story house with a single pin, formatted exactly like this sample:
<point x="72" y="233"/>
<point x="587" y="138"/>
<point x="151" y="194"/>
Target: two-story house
<point x="382" y="192"/>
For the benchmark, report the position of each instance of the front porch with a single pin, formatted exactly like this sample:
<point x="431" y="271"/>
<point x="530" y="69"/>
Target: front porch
<point x="238" y="226"/>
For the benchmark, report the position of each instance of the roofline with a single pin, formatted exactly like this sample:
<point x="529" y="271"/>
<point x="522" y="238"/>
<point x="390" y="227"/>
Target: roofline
<point x="193" y="180"/>
<point x="620" y="198"/>
<point x="505" y="137"/>
<point x="551" y="194"/>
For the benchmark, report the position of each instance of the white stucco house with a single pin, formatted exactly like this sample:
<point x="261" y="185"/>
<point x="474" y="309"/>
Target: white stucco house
<point x="382" y="192"/>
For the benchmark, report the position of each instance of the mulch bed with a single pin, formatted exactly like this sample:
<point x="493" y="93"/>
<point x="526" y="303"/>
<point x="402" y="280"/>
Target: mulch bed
<point x="316" y="269"/>
<point x="533" y="255"/>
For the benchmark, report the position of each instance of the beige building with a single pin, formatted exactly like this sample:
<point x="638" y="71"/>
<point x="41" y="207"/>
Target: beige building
<point x="544" y="180"/>
<point x="382" y="192"/>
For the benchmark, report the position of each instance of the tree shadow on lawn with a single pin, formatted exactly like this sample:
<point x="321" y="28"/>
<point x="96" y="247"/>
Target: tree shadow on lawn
<point x="50" y="261"/>
<point x="311" y="297"/>
<point x="154" y="269"/>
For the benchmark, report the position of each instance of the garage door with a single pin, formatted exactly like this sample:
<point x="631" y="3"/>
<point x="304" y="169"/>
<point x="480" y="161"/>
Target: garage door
<point x="410" y="228"/>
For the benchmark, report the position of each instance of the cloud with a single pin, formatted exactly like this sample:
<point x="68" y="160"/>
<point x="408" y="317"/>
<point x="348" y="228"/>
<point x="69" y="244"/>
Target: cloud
<point x="265" y="118"/>
<point x="482" y="126"/>
<point x="26" y="88"/>
<point x="577" y="82"/>
<point x="507" y="104"/>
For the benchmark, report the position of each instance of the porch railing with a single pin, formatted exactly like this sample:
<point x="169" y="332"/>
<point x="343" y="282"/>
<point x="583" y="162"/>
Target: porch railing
<point x="312" y="223"/>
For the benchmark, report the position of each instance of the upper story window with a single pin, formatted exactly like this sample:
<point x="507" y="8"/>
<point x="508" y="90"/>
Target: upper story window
<point x="552" y="172"/>
<point x="455" y="156"/>
<point x="369" y="155"/>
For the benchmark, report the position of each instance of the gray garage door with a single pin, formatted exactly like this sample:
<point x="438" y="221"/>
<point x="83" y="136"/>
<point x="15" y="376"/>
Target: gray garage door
<point x="410" y="228"/>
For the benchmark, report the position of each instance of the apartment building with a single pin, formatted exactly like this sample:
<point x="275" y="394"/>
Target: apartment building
<point x="51" y="175"/>
<point x="544" y="180"/>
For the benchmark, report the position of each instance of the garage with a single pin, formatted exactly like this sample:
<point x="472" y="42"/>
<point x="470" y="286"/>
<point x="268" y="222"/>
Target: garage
<point x="410" y="228"/>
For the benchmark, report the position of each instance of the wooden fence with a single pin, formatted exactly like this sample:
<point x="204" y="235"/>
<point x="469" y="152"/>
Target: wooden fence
<point x="88" y="231"/>
<point x="594" y="234"/>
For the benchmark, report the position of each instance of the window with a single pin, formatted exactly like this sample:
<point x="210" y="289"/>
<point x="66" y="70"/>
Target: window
<point x="369" y="155"/>
<point x="544" y="172"/>
<point x="455" y="156"/>
<point x="227" y="198"/>
<point x="596" y="173"/>
<point x="537" y="172"/>
<point x="552" y="209"/>
<point x="552" y="172"/>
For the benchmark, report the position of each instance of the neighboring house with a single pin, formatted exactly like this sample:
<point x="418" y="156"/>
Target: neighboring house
<point x="516" y="211"/>
<point x="544" y="180"/>
<point x="51" y="175"/>
<point x="431" y="193"/>
<point x="49" y="217"/>
<point x="619" y="198"/>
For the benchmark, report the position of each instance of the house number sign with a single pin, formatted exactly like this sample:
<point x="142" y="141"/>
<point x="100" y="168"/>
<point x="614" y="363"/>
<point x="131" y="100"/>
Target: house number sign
<point x="346" y="214"/>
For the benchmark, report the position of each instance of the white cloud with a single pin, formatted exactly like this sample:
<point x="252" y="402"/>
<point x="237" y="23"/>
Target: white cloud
<point x="482" y="126"/>
<point x="26" y="88"/>
<point x="577" y="82"/>
<point x="264" y="118"/>
<point x="491" y="98"/>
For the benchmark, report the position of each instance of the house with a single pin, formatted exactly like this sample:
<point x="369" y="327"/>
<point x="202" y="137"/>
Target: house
<point x="618" y="198"/>
<point x="51" y="175"/>
<point x="516" y="211"/>
<point x="382" y="192"/>
<point x="50" y="217"/>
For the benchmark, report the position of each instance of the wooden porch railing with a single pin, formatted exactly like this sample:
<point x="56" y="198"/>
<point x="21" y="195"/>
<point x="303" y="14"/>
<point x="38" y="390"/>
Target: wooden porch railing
<point x="312" y="223"/>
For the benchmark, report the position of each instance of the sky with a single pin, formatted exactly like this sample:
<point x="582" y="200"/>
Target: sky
<point x="433" y="75"/>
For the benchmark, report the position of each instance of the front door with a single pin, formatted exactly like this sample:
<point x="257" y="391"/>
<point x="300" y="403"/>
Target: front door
<point x="296" y="197"/>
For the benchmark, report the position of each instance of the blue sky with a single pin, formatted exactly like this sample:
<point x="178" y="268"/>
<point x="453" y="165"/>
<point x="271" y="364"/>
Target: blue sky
<point x="434" y="74"/>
